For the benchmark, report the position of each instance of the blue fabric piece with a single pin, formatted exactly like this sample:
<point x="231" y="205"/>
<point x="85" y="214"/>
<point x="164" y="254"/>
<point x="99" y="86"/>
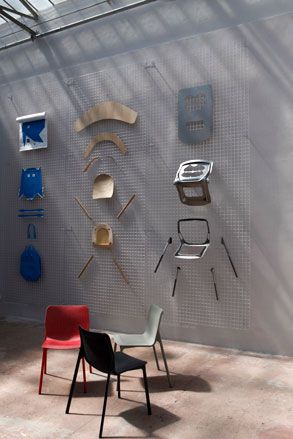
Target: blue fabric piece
<point x="30" y="264"/>
<point x="32" y="130"/>
<point x="31" y="183"/>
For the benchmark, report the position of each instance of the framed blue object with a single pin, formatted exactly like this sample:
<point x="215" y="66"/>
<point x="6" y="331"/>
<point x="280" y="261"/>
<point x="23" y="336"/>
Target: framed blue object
<point x="31" y="185"/>
<point x="195" y="114"/>
<point x="32" y="132"/>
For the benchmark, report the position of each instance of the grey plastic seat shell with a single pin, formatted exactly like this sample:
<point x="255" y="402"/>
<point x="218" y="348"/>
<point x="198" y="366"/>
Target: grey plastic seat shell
<point x="148" y="338"/>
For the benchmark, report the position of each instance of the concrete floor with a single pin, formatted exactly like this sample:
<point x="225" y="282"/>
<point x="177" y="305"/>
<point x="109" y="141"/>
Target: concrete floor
<point x="218" y="393"/>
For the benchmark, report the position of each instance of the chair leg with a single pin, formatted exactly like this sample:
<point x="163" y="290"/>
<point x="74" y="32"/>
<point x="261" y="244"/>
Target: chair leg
<point x="73" y="383"/>
<point x="156" y="357"/>
<point x="104" y="405"/>
<point x="42" y="370"/>
<point x="45" y="368"/>
<point x="118" y="386"/>
<point x="91" y="369"/>
<point x="146" y="391"/>
<point x="165" y="360"/>
<point x="84" y="377"/>
<point x="115" y="347"/>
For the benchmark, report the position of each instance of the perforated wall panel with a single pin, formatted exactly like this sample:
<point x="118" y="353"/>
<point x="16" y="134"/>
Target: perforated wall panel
<point x="148" y="170"/>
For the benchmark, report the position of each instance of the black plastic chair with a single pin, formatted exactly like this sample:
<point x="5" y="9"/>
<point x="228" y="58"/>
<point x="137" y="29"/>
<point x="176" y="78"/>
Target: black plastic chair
<point x="97" y="349"/>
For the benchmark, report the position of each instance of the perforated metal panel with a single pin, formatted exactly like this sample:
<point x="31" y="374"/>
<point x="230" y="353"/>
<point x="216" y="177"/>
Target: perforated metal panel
<point x="148" y="170"/>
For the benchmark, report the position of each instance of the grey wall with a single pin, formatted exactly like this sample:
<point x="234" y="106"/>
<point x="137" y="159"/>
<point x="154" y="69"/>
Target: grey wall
<point x="249" y="67"/>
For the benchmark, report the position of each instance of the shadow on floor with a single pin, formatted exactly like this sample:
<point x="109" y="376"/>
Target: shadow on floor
<point x="159" y="383"/>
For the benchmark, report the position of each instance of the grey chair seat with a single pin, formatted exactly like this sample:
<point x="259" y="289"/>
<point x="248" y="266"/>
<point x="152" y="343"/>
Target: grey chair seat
<point x="124" y="363"/>
<point x="133" y="340"/>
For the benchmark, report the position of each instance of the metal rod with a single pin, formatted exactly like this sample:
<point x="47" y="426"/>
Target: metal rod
<point x="30" y="8"/>
<point x="77" y="23"/>
<point x="229" y="256"/>
<point x="18" y="23"/>
<point x="214" y="281"/>
<point x="14" y="11"/>
<point x="162" y="255"/>
<point x="175" y="281"/>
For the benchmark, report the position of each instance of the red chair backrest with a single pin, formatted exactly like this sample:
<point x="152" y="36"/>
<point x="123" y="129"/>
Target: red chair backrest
<point x="62" y="321"/>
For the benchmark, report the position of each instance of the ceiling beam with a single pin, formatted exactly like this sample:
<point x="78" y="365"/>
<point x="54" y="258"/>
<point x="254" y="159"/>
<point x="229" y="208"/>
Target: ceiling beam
<point x="14" y="11"/>
<point x="78" y="23"/>
<point x="9" y="17"/>
<point x="30" y="8"/>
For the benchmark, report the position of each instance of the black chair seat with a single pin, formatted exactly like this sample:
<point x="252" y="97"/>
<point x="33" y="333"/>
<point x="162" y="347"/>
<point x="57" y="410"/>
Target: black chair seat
<point x="124" y="362"/>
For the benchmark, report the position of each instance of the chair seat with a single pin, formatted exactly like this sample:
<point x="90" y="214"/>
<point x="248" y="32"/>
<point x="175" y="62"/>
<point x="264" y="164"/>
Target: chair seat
<point x="124" y="362"/>
<point x="52" y="343"/>
<point x="134" y="340"/>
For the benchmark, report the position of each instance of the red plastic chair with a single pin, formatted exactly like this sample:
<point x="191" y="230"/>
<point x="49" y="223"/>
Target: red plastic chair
<point x="62" y="332"/>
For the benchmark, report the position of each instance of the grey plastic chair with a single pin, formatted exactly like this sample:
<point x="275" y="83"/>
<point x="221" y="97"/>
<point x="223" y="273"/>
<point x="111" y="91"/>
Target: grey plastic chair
<point x="148" y="338"/>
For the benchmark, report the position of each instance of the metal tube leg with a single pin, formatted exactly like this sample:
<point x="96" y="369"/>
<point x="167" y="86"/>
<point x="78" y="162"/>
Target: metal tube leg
<point x="91" y="369"/>
<point x="165" y="360"/>
<point x="73" y="384"/>
<point x="104" y="406"/>
<point x="118" y="386"/>
<point x="146" y="391"/>
<point x="42" y="370"/>
<point x="156" y="357"/>
<point x="84" y="377"/>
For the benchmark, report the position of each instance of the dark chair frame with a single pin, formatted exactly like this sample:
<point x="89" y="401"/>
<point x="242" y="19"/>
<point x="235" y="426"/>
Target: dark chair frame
<point x="97" y="350"/>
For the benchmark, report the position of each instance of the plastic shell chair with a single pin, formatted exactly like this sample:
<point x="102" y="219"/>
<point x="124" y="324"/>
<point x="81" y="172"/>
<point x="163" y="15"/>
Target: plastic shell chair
<point x="62" y="332"/>
<point x="97" y="349"/>
<point x="148" y="338"/>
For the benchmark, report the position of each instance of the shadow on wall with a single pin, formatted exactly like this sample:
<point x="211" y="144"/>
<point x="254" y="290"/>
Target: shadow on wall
<point x="136" y="29"/>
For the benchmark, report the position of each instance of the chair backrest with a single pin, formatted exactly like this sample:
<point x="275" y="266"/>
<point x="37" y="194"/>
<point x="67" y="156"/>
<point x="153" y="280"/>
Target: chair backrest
<point x="153" y="322"/>
<point x="62" y="321"/>
<point x="97" y="349"/>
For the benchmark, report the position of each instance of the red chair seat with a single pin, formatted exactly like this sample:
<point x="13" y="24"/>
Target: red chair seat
<point x="52" y="343"/>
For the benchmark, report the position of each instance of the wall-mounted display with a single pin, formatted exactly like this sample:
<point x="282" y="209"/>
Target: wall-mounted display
<point x="88" y="165"/>
<point x="123" y="208"/>
<point x="105" y="137"/>
<point x="86" y="265"/>
<point x="30" y="264"/>
<point x="195" y="114"/>
<point x="102" y="236"/>
<point x="192" y="180"/>
<point x="83" y="208"/>
<point x="192" y="250"/>
<point x="33" y="131"/>
<point x="175" y="281"/>
<point x="106" y="110"/>
<point x="162" y="255"/>
<point x="229" y="256"/>
<point x="31" y="231"/>
<point x="31" y="185"/>
<point x="103" y="187"/>
<point x="27" y="213"/>
<point x="214" y="282"/>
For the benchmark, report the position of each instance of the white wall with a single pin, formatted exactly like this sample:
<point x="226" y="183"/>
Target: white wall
<point x="134" y="38"/>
